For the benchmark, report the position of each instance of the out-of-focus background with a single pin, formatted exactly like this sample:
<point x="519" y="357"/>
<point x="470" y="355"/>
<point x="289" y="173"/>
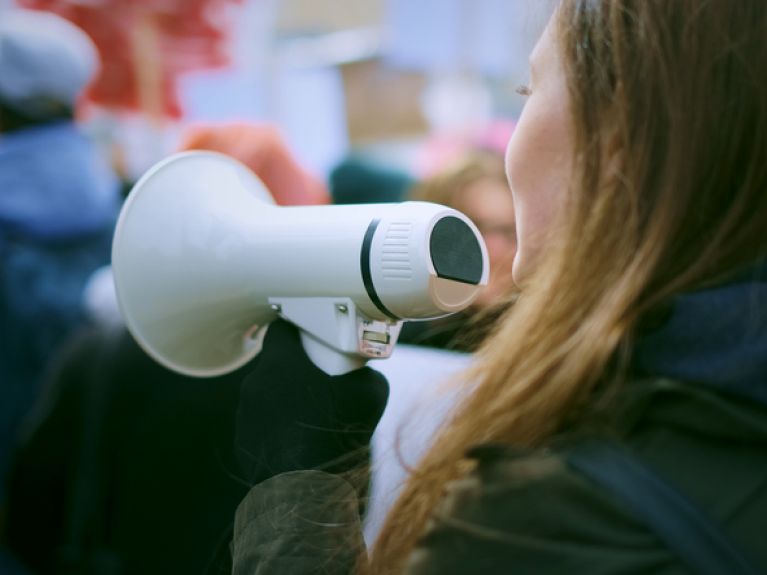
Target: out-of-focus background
<point x="370" y="76"/>
<point x="109" y="462"/>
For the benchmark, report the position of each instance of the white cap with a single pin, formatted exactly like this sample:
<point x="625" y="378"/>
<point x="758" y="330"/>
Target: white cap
<point x="45" y="61"/>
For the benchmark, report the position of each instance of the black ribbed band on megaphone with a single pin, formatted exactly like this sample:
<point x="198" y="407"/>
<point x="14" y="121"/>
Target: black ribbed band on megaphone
<point x="367" y="276"/>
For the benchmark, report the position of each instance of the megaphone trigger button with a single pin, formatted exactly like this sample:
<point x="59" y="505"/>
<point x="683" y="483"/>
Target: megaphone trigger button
<point x="376" y="337"/>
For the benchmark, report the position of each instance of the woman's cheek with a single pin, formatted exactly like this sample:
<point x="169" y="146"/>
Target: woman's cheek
<point x="539" y="168"/>
<point x="518" y="165"/>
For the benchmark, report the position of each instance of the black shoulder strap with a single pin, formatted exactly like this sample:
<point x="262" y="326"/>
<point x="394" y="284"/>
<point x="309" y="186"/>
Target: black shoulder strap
<point x="682" y="526"/>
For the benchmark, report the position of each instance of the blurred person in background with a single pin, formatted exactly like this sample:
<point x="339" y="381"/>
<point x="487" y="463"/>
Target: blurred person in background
<point x="118" y="445"/>
<point x="363" y="180"/>
<point x="58" y="203"/>
<point x="262" y="148"/>
<point x="617" y="421"/>
<point x="473" y="183"/>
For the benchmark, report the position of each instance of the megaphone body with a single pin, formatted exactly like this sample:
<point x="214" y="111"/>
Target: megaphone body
<point x="203" y="259"/>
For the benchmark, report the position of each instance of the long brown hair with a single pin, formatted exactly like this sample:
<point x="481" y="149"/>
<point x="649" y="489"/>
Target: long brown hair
<point x="669" y="193"/>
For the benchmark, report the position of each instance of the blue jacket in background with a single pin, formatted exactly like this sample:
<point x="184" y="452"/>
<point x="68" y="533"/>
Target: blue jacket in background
<point x="58" y="204"/>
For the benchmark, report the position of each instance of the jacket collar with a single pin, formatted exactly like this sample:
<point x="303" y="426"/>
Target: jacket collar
<point x="715" y="337"/>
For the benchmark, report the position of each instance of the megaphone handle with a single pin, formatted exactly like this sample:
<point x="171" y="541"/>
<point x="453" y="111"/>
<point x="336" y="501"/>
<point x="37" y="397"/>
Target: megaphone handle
<point x="328" y="359"/>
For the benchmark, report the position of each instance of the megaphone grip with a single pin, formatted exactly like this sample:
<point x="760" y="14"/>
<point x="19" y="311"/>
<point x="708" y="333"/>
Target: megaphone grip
<point x="293" y="416"/>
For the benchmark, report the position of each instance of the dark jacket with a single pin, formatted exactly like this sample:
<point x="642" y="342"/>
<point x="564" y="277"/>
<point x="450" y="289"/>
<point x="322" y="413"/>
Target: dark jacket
<point x="161" y="483"/>
<point x="532" y="512"/>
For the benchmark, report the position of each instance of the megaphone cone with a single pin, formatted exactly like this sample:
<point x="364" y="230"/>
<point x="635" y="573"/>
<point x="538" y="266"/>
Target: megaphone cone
<point x="177" y="256"/>
<point x="203" y="258"/>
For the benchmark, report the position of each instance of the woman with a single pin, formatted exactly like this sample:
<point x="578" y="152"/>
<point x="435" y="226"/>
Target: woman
<point x="639" y="180"/>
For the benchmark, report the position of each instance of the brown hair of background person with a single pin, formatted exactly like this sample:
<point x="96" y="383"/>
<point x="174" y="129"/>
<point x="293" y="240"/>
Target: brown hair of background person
<point x="475" y="184"/>
<point x="669" y="116"/>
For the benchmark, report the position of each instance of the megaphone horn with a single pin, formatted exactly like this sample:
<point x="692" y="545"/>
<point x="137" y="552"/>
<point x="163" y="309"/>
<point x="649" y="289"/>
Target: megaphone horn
<point x="203" y="258"/>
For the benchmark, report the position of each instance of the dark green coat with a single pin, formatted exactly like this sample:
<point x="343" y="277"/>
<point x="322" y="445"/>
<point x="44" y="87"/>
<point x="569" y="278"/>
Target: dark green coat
<point x="529" y="513"/>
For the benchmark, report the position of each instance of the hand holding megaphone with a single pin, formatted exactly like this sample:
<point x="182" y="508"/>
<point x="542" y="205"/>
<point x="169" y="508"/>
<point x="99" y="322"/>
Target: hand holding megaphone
<point x="203" y="260"/>
<point x="292" y="416"/>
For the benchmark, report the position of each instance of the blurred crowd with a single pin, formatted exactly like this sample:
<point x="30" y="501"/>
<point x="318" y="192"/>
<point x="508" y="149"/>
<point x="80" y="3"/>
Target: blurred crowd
<point x="599" y="406"/>
<point x="100" y="447"/>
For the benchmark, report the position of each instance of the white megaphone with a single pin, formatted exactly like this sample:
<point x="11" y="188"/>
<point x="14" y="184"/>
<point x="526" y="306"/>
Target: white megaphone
<point x="203" y="259"/>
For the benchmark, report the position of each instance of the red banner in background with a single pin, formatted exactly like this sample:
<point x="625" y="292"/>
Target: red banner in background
<point x="146" y="44"/>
